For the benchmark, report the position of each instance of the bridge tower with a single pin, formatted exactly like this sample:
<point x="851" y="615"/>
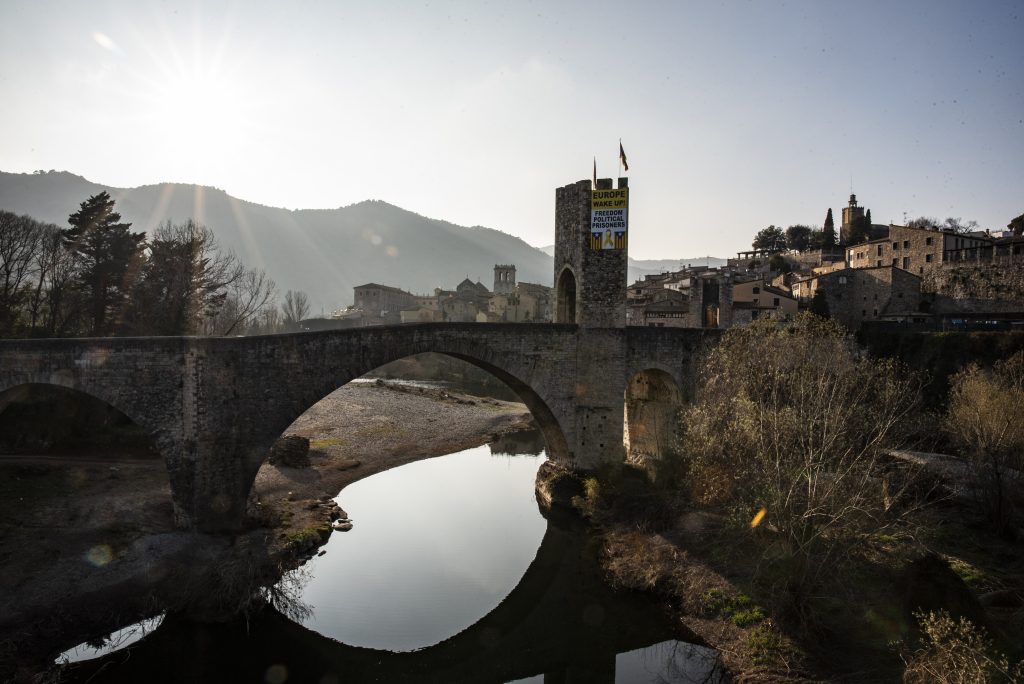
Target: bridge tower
<point x="590" y="291"/>
<point x="591" y="250"/>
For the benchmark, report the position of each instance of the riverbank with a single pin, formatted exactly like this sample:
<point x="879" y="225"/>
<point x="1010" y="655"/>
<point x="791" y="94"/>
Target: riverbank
<point x="365" y="428"/>
<point x="726" y="581"/>
<point x="87" y="540"/>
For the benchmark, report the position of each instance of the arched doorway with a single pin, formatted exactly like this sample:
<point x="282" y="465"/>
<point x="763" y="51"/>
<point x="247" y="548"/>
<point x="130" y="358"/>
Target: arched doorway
<point x="652" y="401"/>
<point x="565" y="297"/>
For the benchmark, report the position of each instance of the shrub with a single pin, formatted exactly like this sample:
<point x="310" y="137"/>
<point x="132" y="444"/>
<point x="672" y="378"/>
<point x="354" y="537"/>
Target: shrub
<point x="790" y="418"/>
<point x="955" y="652"/>
<point x="984" y="418"/>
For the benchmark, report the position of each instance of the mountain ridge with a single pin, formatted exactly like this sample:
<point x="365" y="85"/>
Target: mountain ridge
<point x="325" y="252"/>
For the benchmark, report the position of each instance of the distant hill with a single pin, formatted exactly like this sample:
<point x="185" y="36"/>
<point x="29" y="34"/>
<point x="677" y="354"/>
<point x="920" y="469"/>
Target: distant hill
<point x="323" y="252"/>
<point x="638" y="268"/>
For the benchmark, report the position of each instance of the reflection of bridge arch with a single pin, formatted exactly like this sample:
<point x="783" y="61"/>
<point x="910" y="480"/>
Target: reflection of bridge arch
<point x="214" y="405"/>
<point x="557" y="620"/>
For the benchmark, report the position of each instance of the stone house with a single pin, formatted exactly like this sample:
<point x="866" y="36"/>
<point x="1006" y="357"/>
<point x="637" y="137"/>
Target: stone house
<point x="916" y="249"/>
<point x="381" y="304"/>
<point x="754" y="299"/>
<point x="667" y="308"/>
<point x="855" y="295"/>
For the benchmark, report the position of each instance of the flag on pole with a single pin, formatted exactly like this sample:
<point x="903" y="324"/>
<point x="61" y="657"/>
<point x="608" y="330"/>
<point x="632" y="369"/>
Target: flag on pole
<point x="622" y="157"/>
<point x="595" y="174"/>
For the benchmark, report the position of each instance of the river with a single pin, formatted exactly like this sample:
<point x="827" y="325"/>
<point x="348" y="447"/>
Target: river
<point x="450" y="574"/>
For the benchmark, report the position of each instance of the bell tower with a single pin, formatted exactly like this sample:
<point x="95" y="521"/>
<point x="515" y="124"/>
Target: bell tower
<point x="504" y="278"/>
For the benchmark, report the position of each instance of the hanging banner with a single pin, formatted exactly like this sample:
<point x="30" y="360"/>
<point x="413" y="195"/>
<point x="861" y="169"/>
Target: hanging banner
<point x="609" y="218"/>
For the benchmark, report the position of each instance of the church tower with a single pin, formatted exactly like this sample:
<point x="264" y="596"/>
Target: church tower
<point x="852" y="214"/>
<point x="504" y="278"/>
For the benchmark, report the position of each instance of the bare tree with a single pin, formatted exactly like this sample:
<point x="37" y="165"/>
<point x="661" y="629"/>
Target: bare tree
<point x="295" y="308"/>
<point x="984" y="416"/>
<point x="20" y="239"/>
<point x="246" y="296"/>
<point x="53" y="303"/>
<point x="792" y="421"/>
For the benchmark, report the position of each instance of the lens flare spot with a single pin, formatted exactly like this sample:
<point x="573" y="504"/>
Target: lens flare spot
<point x="758" y="517"/>
<point x="276" y="674"/>
<point x="99" y="555"/>
<point x="105" y="42"/>
<point x="391" y="251"/>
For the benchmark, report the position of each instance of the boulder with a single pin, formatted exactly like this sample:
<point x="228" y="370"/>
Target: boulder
<point x="291" y="451"/>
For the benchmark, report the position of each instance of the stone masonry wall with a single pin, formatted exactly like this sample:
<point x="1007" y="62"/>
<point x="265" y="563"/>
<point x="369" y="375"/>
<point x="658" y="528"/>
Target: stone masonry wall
<point x="981" y="281"/>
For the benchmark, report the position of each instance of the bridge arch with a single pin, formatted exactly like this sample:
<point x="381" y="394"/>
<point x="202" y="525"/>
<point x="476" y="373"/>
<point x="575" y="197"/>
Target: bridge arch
<point x="652" y="401"/>
<point x="320" y="363"/>
<point x="66" y="383"/>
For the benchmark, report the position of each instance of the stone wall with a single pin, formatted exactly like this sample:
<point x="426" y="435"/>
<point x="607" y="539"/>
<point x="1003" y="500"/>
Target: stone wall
<point x="1000" y="281"/>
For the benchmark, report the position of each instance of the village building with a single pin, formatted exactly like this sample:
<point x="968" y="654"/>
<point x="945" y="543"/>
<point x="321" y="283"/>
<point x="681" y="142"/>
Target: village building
<point x="755" y="299"/>
<point x="470" y="301"/>
<point x="855" y="295"/>
<point x="917" y="249"/>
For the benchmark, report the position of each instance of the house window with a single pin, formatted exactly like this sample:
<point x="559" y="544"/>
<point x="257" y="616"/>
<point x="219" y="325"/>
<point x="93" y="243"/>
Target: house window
<point x="878" y="263"/>
<point x="895" y="261"/>
<point x="895" y="245"/>
<point x="753" y="315"/>
<point x="927" y="241"/>
<point x="874" y="312"/>
<point x="775" y="301"/>
<point x="878" y="250"/>
<point x="757" y="290"/>
<point x="864" y="312"/>
<point x="906" y="262"/>
<point x="842" y="280"/>
<point x="906" y="244"/>
<point x="928" y="258"/>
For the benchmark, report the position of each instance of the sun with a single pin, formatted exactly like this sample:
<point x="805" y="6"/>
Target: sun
<point x="199" y="106"/>
<point x="200" y="111"/>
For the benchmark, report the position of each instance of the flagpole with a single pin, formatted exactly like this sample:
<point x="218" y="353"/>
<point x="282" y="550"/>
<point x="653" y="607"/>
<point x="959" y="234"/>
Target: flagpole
<point x="620" y="159"/>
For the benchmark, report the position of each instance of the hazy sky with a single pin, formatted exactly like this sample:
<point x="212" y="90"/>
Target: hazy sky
<point x="733" y="115"/>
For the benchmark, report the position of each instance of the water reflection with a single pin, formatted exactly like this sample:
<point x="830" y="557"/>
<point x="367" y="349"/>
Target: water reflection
<point x="114" y="641"/>
<point x="517" y="598"/>
<point x="437" y="544"/>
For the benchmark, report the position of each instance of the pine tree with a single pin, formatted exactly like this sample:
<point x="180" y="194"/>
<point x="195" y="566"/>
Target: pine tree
<point x="869" y="218"/>
<point x="110" y="256"/>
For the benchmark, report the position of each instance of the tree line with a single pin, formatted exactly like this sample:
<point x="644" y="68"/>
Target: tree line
<point x="98" y="278"/>
<point x="799" y="238"/>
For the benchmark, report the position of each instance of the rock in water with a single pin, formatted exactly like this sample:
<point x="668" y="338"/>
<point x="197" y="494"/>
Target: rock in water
<point x="291" y="451"/>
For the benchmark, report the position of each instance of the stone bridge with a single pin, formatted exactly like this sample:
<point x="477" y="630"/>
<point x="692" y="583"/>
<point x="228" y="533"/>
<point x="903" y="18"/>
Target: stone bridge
<point x="599" y="391"/>
<point x="213" y="406"/>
